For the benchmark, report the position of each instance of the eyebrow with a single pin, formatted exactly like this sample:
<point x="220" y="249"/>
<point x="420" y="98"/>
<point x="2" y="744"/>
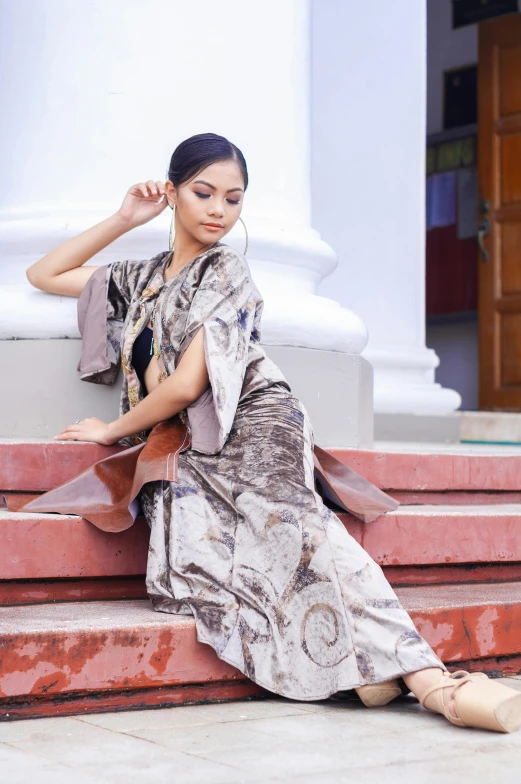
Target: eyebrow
<point x="203" y="182"/>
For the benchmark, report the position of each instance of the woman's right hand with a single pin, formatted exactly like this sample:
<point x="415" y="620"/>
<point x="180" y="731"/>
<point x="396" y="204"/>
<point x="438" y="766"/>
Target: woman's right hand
<point x="143" y="202"/>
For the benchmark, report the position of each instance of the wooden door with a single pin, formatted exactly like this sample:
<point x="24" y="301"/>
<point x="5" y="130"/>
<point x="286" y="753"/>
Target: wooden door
<point x="499" y="139"/>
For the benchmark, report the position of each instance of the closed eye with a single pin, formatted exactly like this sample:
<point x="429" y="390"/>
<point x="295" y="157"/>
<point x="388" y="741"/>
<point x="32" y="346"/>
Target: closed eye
<point x="207" y="196"/>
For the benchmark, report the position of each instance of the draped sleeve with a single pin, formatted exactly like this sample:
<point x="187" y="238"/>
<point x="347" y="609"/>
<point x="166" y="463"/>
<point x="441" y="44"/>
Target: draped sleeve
<point x="102" y="308"/>
<point x="224" y="307"/>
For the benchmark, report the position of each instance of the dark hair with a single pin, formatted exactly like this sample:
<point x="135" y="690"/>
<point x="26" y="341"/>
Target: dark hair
<point x="198" y="152"/>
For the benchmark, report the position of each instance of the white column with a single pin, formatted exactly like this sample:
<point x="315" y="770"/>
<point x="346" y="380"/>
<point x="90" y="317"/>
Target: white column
<point x="96" y="96"/>
<point x="368" y="181"/>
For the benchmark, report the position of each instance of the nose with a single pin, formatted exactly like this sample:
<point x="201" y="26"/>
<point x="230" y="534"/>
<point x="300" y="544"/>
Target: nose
<point x="216" y="208"/>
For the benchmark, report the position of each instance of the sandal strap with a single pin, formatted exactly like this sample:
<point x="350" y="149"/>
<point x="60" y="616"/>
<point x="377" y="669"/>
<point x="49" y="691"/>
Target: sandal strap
<point x="446" y="681"/>
<point x="454" y="681"/>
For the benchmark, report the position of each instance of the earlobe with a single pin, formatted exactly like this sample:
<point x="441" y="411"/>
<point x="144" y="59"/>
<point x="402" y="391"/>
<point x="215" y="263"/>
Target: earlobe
<point x="171" y="194"/>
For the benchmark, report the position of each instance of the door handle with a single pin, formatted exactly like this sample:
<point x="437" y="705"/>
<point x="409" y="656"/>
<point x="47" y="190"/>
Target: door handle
<point x="483" y="231"/>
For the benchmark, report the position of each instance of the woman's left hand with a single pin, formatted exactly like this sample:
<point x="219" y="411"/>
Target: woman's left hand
<point x="90" y="429"/>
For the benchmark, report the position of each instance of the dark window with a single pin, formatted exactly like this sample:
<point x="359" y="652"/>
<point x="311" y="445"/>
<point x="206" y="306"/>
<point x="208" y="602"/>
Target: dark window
<point x="460" y="104"/>
<point x="467" y="12"/>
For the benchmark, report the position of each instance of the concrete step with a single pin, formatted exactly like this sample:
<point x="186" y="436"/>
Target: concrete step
<point x="91" y="656"/>
<point x="497" y="427"/>
<point x="73" y="590"/>
<point x="437" y="469"/>
<point x="39" y="465"/>
<point x="442" y="534"/>
<point x="88" y="657"/>
<point x="51" y="547"/>
<point x="474" y="626"/>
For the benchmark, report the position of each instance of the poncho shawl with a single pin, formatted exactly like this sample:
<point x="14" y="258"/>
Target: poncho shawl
<point x="214" y="292"/>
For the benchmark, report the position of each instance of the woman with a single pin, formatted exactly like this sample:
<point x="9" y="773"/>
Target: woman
<point x="241" y="539"/>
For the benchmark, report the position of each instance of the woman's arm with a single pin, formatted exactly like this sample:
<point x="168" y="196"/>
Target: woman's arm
<point x="61" y="272"/>
<point x="186" y="384"/>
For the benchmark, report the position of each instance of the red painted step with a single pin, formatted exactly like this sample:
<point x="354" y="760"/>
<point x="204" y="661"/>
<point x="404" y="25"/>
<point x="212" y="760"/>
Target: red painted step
<point x="42" y="464"/>
<point x="422" y="472"/>
<point x="468" y="622"/>
<point x="35" y="466"/>
<point x="47" y="546"/>
<point x="66" y="658"/>
<point x="44" y="546"/>
<point x="77" y="657"/>
<point x="438" y="534"/>
<point x="74" y="590"/>
<point x="84" y="654"/>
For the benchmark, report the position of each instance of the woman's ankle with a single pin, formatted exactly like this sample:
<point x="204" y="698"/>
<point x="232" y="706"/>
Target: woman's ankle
<point x="422" y="680"/>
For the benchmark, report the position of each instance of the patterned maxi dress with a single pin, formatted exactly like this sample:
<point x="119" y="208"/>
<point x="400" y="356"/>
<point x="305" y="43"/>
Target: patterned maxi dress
<point x="242" y="541"/>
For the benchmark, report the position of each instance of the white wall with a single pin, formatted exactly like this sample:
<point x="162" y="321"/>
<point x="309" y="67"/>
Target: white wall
<point x="446" y="48"/>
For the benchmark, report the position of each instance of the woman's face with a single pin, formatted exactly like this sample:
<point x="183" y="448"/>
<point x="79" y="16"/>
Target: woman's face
<point x="213" y="196"/>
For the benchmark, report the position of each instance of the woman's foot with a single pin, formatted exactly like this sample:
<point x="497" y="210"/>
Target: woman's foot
<point x="374" y="695"/>
<point x="474" y="700"/>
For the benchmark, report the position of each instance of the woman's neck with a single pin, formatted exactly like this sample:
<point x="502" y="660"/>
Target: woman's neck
<point x="186" y="248"/>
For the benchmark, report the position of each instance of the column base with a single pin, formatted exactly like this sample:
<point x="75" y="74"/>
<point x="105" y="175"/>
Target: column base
<point x="404" y="382"/>
<point x="44" y="392"/>
<point x="337" y="391"/>
<point x="287" y="263"/>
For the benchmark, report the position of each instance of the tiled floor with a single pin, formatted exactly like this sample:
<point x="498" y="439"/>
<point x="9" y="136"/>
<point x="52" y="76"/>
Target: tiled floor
<point x="262" y="741"/>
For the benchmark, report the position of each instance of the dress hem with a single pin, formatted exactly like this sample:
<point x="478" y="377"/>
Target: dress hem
<point x="288" y="696"/>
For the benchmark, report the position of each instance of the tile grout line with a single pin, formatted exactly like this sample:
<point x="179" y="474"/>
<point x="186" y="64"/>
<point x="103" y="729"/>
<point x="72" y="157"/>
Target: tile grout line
<point x="38" y="755"/>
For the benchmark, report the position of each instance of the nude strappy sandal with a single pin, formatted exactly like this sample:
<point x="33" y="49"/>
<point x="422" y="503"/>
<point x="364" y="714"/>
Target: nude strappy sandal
<point x="376" y="694"/>
<point x="483" y="703"/>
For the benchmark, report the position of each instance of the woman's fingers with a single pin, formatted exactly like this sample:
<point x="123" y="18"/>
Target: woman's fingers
<point x="90" y="429"/>
<point x="70" y="430"/>
<point x="75" y="428"/>
<point x="150" y="188"/>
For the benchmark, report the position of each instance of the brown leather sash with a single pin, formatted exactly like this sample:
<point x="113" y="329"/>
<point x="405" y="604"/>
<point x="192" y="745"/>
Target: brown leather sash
<point x="349" y="491"/>
<point x="106" y="493"/>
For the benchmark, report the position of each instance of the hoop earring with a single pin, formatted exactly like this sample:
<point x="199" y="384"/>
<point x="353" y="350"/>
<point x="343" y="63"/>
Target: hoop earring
<point x="246" y="232"/>
<point x="171" y="234"/>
